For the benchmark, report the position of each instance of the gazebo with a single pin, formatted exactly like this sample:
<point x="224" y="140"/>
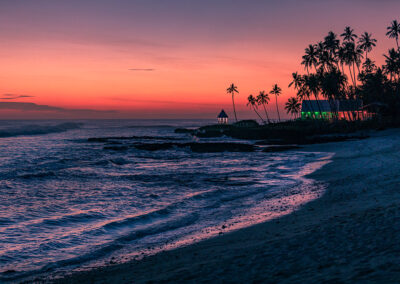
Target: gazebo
<point x="222" y="117"/>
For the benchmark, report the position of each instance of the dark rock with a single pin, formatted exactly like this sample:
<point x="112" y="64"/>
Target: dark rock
<point x="155" y="146"/>
<point x="116" y="148"/>
<point x="280" y="148"/>
<point x="198" y="147"/>
<point x="107" y="139"/>
<point x="184" y="130"/>
<point x="220" y="147"/>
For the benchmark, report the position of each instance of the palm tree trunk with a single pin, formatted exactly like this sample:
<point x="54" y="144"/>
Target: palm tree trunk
<point x="266" y="113"/>
<point x="319" y="106"/>
<point x="351" y="75"/>
<point x="258" y="114"/>
<point x="234" y="109"/>
<point x="277" y="109"/>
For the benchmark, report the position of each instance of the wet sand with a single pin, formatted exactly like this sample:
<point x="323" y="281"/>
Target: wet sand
<point x="350" y="234"/>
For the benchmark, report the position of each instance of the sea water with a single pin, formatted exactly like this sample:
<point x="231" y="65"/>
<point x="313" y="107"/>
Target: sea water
<point x="66" y="202"/>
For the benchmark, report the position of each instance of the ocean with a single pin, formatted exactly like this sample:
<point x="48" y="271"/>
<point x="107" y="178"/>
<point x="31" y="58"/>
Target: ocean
<point x="70" y="203"/>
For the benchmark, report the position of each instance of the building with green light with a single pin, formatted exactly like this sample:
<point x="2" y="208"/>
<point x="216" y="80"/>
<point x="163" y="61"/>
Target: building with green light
<point x="324" y="109"/>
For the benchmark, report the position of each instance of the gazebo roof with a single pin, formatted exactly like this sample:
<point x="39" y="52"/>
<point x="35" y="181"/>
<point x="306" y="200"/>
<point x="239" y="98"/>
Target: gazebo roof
<point x="222" y="114"/>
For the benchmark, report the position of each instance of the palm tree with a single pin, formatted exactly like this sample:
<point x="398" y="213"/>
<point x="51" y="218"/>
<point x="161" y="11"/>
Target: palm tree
<point x="232" y="89"/>
<point x="263" y="99"/>
<point x="392" y="66"/>
<point x="369" y="65"/>
<point x="292" y="106"/>
<point x="312" y="84"/>
<point x="352" y="57"/>
<point x="331" y="43"/>
<point x="298" y="84"/>
<point x="393" y="31"/>
<point x="276" y="91"/>
<point x="310" y="58"/>
<point x="366" y="43"/>
<point x="349" y="35"/>
<point x="252" y="102"/>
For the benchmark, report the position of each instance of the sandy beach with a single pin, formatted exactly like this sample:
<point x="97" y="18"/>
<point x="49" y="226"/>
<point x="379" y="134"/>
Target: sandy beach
<point x="351" y="234"/>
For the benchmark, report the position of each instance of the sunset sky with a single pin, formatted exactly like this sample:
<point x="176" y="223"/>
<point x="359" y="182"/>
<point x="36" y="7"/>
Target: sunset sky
<point x="163" y="59"/>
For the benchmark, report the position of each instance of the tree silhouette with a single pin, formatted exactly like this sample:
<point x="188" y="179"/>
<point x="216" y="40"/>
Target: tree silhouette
<point x="310" y="58"/>
<point x="349" y="35"/>
<point x="366" y="43"/>
<point x="263" y="99"/>
<point x="232" y="89"/>
<point x="392" y="66"/>
<point x="292" y="106"/>
<point x="393" y="31"/>
<point x="252" y="103"/>
<point x="276" y="91"/>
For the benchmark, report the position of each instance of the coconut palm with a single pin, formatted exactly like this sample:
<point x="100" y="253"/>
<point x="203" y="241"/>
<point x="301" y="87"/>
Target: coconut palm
<point x="331" y="43"/>
<point x="302" y="91"/>
<point x="292" y="106"/>
<point x="310" y="58"/>
<point x="369" y="66"/>
<point x="276" y="91"/>
<point x="352" y="58"/>
<point x="393" y="31"/>
<point x="232" y="89"/>
<point x="392" y="66"/>
<point x="263" y="99"/>
<point x="312" y="85"/>
<point x="349" y="35"/>
<point x="252" y="103"/>
<point x="366" y="43"/>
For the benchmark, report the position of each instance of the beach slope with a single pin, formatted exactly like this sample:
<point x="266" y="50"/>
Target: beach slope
<point x="351" y="234"/>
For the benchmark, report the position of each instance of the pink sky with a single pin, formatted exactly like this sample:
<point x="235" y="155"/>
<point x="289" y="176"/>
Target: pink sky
<point x="76" y="56"/>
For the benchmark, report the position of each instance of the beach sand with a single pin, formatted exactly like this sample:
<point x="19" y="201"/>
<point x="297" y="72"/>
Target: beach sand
<point x="350" y="234"/>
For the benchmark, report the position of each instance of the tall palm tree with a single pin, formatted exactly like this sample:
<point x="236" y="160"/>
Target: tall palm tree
<point x="366" y="43"/>
<point x="263" y="99"/>
<point x="349" y="35"/>
<point x="232" y="89"/>
<point x="298" y="84"/>
<point x="331" y="43"/>
<point x="252" y="103"/>
<point x="292" y="106"/>
<point x="352" y="57"/>
<point x="393" y="31"/>
<point x="310" y="58"/>
<point x="312" y="84"/>
<point x="392" y="66"/>
<point x="276" y="91"/>
<point x="369" y="65"/>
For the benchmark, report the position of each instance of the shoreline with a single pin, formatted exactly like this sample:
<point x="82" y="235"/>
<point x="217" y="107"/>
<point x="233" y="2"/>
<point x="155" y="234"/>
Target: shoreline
<point x="338" y="237"/>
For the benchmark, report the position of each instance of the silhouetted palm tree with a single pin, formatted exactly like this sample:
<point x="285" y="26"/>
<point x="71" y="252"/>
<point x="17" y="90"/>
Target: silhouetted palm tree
<point x="232" y="89"/>
<point x="263" y="99"/>
<point x="310" y="58"/>
<point x="393" y="31"/>
<point x="349" y="35"/>
<point x="276" y="91"/>
<point x="312" y="85"/>
<point x="369" y="66"/>
<point x="331" y="43"/>
<point x="252" y="102"/>
<point x="293" y="106"/>
<point x="392" y="66"/>
<point x="366" y="43"/>
<point x="352" y="58"/>
<point x="302" y="92"/>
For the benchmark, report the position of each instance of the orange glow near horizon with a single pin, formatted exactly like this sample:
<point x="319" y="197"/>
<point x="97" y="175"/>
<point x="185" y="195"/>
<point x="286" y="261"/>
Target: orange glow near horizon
<point x="85" y="69"/>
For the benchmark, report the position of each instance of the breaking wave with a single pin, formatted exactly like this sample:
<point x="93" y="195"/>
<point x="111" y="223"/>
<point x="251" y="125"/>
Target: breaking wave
<point x="38" y="129"/>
